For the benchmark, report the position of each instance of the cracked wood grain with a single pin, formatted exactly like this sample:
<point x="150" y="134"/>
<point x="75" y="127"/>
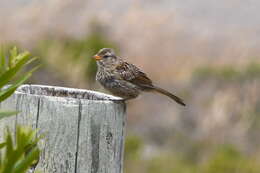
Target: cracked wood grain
<point x="83" y="130"/>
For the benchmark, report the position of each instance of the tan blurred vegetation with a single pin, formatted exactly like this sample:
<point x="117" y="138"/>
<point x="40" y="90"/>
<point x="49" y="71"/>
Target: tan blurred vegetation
<point x="215" y="68"/>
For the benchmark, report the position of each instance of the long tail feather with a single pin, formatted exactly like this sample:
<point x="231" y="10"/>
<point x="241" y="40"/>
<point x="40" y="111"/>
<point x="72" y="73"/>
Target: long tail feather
<point x="172" y="96"/>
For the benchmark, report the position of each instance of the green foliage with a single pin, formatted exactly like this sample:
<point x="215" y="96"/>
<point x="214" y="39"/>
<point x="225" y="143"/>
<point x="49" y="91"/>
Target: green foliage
<point x="69" y="53"/>
<point x="19" y="156"/>
<point x="18" y="153"/>
<point x="218" y="159"/>
<point x="10" y="67"/>
<point x="170" y="163"/>
<point x="223" y="73"/>
<point x="4" y="114"/>
<point x="133" y="146"/>
<point x="228" y="72"/>
<point x="227" y="159"/>
<point x="253" y="70"/>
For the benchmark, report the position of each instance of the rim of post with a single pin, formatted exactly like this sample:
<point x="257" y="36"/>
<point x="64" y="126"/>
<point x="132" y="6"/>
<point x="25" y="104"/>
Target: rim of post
<point x="65" y="93"/>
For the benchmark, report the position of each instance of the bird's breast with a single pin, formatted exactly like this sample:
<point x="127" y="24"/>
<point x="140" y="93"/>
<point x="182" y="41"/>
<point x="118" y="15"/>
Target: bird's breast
<point x="104" y="76"/>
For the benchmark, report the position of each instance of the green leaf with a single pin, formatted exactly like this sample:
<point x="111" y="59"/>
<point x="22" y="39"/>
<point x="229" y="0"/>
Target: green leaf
<point x="8" y="75"/>
<point x="10" y="90"/>
<point x="8" y="166"/>
<point x="26" y="163"/>
<point x="12" y="59"/>
<point x="4" y="114"/>
<point x="20" y="152"/>
<point x="14" y="52"/>
<point x="2" y="145"/>
<point x="2" y="61"/>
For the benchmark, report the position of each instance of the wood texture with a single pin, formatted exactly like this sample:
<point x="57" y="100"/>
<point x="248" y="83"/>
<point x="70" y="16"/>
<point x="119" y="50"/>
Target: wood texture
<point x="83" y="130"/>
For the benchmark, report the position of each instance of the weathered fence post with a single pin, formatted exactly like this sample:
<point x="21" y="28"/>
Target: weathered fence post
<point x="83" y="130"/>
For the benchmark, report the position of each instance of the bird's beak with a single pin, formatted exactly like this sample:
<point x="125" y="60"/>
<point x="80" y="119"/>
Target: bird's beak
<point x="96" y="57"/>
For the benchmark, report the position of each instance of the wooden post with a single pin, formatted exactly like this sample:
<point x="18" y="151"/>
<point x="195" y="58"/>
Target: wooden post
<point x="83" y="130"/>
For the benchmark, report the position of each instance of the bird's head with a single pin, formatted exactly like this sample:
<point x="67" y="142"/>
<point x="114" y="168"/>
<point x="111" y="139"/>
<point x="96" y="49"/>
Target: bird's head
<point x="106" y="57"/>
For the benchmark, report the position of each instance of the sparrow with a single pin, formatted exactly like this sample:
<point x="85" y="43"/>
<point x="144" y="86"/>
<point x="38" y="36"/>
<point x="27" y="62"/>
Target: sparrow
<point x="124" y="79"/>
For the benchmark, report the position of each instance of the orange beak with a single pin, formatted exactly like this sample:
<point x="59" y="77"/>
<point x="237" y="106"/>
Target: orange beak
<point x="96" y="57"/>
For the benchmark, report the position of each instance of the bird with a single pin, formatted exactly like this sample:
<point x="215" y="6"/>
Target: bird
<point x="124" y="79"/>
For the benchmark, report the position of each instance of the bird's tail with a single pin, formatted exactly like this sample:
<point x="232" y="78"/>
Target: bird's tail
<point x="172" y="96"/>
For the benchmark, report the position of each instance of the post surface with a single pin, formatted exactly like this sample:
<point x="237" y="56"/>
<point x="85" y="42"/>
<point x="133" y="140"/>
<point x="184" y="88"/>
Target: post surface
<point x="83" y="130"/>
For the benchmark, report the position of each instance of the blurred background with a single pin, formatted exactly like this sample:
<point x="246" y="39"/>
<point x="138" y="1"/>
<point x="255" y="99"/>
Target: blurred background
<point x="206" y="52"/>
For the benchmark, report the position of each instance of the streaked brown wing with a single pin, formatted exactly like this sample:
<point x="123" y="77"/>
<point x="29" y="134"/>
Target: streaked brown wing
<point x="133" y="74"/>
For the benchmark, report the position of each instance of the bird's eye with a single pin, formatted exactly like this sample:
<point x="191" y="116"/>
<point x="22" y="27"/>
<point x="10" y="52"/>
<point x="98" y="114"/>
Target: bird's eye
<point x="105" y="56"/>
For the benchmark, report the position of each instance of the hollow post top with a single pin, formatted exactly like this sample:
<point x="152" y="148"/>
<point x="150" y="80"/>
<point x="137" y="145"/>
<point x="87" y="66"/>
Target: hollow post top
<point x="66" y="93"/>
